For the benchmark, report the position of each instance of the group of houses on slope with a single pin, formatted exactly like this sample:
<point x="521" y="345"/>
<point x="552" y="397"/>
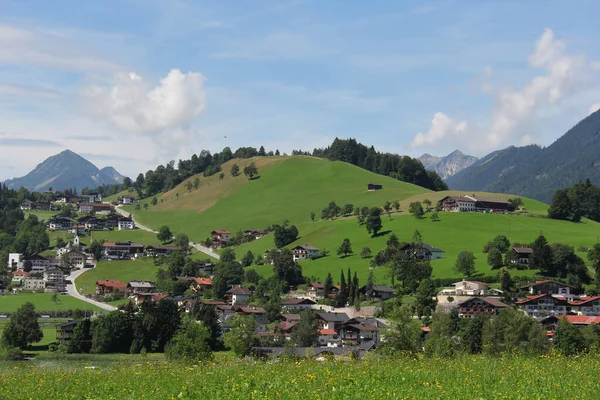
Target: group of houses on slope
<point x="222" y="237"/>
<point x="89" y="223"/>
<point x="473" y="203"/>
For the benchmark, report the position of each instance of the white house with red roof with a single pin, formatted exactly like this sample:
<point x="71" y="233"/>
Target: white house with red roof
<point x="238" y="294"/>
<point x="19" y="276"/>
<point x="466" y="288"/>
<point x="302" y="252"/>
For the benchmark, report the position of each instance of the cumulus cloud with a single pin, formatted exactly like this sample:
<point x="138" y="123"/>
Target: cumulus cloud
<point x="564" y="75"/>
<point x="442" y="127"/>
<point x="164" y="111"/>
<point x="594" y="108"/>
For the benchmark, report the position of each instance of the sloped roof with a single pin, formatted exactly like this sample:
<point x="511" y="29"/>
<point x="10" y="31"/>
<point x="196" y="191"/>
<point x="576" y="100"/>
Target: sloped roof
<point x="317" y="285"/>
<point x="306" y="247"/>
<point x="293" y="302"/>
<point x="582" y="319"/>
<point x="221" y="232"/>
<point x="523" y="250"/>
<point x="237" y="290"/>
<point x="326" y="332"/>
<point x="333" y="317"/>
<point x="203" y="281"/>
<point x="141" y="284"/>
<point x="490" y="300"/>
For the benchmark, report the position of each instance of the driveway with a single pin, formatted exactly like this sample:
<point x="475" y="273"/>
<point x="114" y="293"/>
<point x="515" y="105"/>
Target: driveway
<point x="72" y="290"/>
<point x="137" y="224"/>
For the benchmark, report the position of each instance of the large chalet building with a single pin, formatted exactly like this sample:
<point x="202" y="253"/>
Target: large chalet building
<point x="469" y="203"/>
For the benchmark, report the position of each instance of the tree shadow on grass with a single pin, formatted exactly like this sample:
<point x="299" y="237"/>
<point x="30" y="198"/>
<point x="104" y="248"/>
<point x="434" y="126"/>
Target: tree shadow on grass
<point x="382" y="233"/>
<point x="254" y="178"/>
<point x="347" y="255"/>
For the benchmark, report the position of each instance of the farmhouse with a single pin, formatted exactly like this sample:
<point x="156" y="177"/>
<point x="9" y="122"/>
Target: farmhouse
<point x="328" y="337"/>
<point x="316" y="290"/>
<point x="255" y="233"/>
<point x="473" y="203"/>
<point x="125" y="223"/>
<point x="521" y="255"/>
<point x="98" y="208"/>
<point x="75" y="259"/>
<point x="457" y="204"/>
<point x="303" y="252"/>
<point x="479" y="306"/>
<point x="374" y="186"/>
<point x="19" y="276"/>
<point x="110" y="286"/>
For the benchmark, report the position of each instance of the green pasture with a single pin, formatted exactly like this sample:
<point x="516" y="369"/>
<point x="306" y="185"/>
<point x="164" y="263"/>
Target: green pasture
<point x="123" y="271"/>
<point x="43" y="302"/>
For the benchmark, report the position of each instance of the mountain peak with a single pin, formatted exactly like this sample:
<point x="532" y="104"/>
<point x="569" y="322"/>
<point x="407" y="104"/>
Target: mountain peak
<point x="66" y="170"/>
<point x="449" y="165"/>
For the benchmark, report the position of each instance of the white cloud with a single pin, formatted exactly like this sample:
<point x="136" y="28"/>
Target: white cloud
<point x="28" y="91"/>
<point x="165" y="111"/>
<point x="442" y="127"/>
<point x="564" y="75"/>
<point x="594" y="108"/>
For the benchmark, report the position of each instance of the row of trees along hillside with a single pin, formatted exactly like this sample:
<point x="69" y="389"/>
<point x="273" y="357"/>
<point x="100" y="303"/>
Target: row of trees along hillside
<point x="403" y="168"/>
<point x="573" y="203"/>
<point x="166" y="177"/>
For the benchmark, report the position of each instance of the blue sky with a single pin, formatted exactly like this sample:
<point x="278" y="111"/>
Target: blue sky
<point x="136" y="83"/>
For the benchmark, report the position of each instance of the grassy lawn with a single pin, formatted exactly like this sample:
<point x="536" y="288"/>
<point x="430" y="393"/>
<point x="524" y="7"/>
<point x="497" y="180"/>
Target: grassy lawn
<point x="115" y="197"/>
<point x="42" y="215"/>
<point x="124" y="271"/>
<point x="289" y="188"/>
<point x="454" y="233"/>
<point x="43" y="302"/>
<point x="48" y="327"/>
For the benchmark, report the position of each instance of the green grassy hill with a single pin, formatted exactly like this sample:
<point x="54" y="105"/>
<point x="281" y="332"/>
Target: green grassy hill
<point x="43" y="303"/>
<point x="123" y="271"/>
<point x="288" y="188"/>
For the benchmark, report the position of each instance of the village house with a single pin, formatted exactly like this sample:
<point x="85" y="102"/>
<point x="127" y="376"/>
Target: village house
<point x="136" y="287"/>
<point x="64" y="332"/>
<point x="15" y="261"/>
<point x="91" y="198"/>
<point x="76" y="259"/>
<point x="161" y="250"/>
<point x="466" y="288"/>
<point x="331" y="320"/>
<point x="74" y="245"/>
<point x="97" y="208"/>
<point x="34" y="283"/>
<point x="107" y="286"/>
<point x="59" y="222"/>
<point x="238" y="295"/>
<point x="77" y="229"/>
<point x="125" y="223"/>
<point x="424" y="251"/>
<point x="303" y="252"/>
<point x="550" y="287"/>
<point x="586" y="305"/>
<point x="474" y="306"/>
<point x="19" y="276"/>
<point x="121" y="250"/>
<point x="139" y="298"/>
<point x="521" y="255"/>
<point x="378" y="292"/>
<point x="200" y="285"/>
<point x="54" y="276"/>
<point x="316" y="290"/>
<point x="268" y="257"/>
<point x="255" y="233"/>
<point x="328" y="337"/>
<point x="355" y="331"/>
<point x="126" y="199"/>
<point x="220" y="238"/>
<point x="38" y="263"/>
<point x="297" y="304"/>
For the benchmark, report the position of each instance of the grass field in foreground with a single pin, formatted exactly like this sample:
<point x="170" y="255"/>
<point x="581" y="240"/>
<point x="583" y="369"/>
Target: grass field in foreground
<point x="42" y="302"/>
<point x="124" y="271"/>
<point x="464" y="377"/>
<point x="289" y="189"/>
<point x="454" y="233"/>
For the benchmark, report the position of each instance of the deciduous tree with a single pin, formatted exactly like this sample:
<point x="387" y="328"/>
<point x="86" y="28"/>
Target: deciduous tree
<point x="465" y="263"/>
<point x="345" y="248"/>
<point x="374" y="224"/>
<point x="22" y="328"/>
<point x="242" y="335"/>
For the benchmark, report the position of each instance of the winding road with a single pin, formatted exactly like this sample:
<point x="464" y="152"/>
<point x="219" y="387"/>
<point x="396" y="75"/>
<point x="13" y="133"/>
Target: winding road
<point x="72" y="290"/>
<point x="206" y="250"/>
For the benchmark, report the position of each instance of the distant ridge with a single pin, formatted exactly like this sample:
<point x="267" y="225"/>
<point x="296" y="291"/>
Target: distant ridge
<point x="449" y="165"/>
<point x="66" y="170"/>
<point x="537" y="172"/>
